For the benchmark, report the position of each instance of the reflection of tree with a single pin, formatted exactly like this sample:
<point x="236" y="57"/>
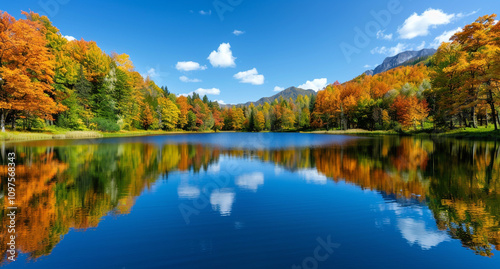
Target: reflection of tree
<point x="466" y="193"/>
<point x="74" y="186"/>
<point x="459" y="180"/>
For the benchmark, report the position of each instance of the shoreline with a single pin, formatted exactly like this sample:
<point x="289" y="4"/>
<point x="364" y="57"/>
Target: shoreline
<point x="467" y="133"/>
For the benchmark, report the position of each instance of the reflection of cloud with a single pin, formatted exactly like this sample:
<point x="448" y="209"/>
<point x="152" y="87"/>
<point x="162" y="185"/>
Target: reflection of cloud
<point x="214" y="168"/>
<point x="222" y="200"/>
<point x="411" y="222"/>
<point x="250" y="181"/>
<point x="188" y="192"/>
<point x="238" y="225"/>
<point x="416" y="233"/>
<point x="312" y="176"/>
<point x="278" y="170"/>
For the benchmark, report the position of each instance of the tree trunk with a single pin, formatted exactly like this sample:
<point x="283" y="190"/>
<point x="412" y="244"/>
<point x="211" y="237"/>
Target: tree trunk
<point x="14" y="122"/>
<point x="474" y="117"/>
<point x="342" y="117"/>
<point x="492" y="106"/>
<point x="2" y="122"/>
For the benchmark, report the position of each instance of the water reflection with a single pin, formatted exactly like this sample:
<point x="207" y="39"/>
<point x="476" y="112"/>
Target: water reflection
<point x="66" y="185"/>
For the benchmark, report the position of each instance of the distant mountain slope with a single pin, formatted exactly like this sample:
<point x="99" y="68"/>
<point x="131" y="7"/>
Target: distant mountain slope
<point x="400" y="59"/>
<point x="291" y="92"/>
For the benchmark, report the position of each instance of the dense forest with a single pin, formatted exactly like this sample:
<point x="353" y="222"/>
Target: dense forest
<point x="49" y="82"/>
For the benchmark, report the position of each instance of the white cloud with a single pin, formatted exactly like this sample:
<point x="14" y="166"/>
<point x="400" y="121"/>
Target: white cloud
<point x="223" y="57"/>
<point x="69" y="38"/>
<point x="201" y="91"/>
<point x="238" y="32"/>
<point x="220" y="102"/>
<point x="278" y="89"/>
<point x="250" y="181"/>
<point x="444" y="37"/>
<point x="400" y="47"/>
<point x="213" y="91"/>
<point x="189" y="66"/>
<point x="418" y="25"/>
<point x="462" y="15"/>
<point x="151" y="73"/>
<point x="315" y="85"/>
<point x="251" y="76"/>
<point x="312" y="176"/>
<point x="421" y="46"/>
<point x="186" y="79"/>
<point x="381" y="35"/>
<point x="203" y="12"/>
<point x="367" y="66"/>
<point x="222" y="201"/>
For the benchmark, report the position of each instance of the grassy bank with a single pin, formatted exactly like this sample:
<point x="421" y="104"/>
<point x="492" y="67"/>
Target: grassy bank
<point x="52" y="134"/>
<point x="480" y="133"/>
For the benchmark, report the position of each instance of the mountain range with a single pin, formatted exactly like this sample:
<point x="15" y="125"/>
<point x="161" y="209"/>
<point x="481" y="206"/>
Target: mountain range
<point x="403" y="58"/>
<point x="398" y="60"/>
<point x="292" y="92"/>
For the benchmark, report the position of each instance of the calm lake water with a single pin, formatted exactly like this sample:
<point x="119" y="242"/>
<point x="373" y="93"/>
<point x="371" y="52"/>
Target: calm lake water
<point x="238" y="200"/>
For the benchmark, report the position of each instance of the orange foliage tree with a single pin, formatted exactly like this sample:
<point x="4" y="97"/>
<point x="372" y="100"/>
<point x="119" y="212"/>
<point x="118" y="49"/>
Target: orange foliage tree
<point x="26" y="70"/>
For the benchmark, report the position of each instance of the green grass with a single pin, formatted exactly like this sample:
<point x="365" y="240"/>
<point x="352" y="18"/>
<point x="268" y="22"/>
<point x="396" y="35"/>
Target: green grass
<point x="480" y="133"/>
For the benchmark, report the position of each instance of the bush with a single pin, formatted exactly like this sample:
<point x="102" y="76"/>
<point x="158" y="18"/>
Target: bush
<point x="396" y="126"/>
<point x="106" y="125"/>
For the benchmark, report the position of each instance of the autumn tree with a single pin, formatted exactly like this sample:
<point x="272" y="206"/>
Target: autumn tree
<point x="147" y="117"/>
<point x="26" y="70"/>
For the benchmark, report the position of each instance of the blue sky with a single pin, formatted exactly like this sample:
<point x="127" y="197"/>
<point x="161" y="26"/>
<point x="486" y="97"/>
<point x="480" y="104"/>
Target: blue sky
<point x="191" y="45"/>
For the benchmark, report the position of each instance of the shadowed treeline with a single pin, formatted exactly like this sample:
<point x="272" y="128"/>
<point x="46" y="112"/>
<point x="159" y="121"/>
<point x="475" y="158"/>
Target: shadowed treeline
<point x="63" y="186"/>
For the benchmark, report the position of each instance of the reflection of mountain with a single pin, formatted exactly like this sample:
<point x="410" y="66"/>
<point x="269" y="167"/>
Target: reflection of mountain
<point x="74" y="186"/>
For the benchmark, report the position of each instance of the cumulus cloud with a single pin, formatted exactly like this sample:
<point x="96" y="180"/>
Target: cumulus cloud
<point x="69" y="38"/>
<point x="367" y="66"/>
<point x="213" y="91"/>
<point x="418" y="25"/>
<point x="400" y="47"/>
<point x="381" y="35"/>
<point x="315" y="85"/>
<point x="201" y="91"/>
<point x="186" y="79"/>
<point x="251" y="76"/>
<point x="278" y="89"/>
<point x="220" y="102"/>
<point x="250" y="181"/>
<point x="444" y="37"/>
<point x="223" y="57"/>
<point x="238" y="32"/>
<point x="189" y="66"/>
<point x="203" y="12"/>
<point x="421" y="46"/>
<point x="151" y="73"/>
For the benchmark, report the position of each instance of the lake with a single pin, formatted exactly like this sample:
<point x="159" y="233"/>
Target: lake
<point x="254" y="200"/>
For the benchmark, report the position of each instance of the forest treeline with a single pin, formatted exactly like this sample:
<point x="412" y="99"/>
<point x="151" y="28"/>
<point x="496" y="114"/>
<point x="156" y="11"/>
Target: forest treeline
<point x="47" y="80"/>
